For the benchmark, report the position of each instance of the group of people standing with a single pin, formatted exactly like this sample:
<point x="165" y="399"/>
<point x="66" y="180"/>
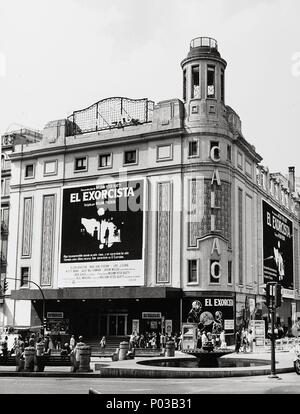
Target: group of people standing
<point x="154" y="340"/>
<point x="244" y="340"/>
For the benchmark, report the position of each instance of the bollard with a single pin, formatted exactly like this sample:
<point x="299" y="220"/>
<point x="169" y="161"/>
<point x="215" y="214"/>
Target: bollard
<point x="29" y="354"/>
<point x="170" y="349"/>
<point x="40" y="357"/>
<point x="124" y="347"/>
<point x="84" y="359"/>
<point x="40" y="349"/>
<point x="19" y="362"/>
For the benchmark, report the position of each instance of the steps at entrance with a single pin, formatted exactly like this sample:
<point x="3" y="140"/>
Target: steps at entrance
<point x="112" y="342"/>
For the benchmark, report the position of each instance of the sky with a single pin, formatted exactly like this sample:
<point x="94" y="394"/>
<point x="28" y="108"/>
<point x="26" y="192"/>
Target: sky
<point x="58" y="56"/>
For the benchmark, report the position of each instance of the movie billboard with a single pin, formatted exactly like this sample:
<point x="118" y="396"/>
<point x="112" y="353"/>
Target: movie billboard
<point x="277" y="247"/>
<point x="212" y="314"/>
<point x="102" y="235"/>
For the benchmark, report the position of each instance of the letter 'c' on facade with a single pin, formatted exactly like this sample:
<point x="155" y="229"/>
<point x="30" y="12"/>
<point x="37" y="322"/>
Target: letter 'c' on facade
<point x="215" y="154"/>
<point x="215" y="270"/>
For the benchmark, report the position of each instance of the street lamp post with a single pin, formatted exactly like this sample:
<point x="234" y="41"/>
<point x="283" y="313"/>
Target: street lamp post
<point x="43" y="296"/>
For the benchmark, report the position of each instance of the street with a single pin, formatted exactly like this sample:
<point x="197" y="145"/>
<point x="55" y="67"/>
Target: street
<point x="288" y="384"/>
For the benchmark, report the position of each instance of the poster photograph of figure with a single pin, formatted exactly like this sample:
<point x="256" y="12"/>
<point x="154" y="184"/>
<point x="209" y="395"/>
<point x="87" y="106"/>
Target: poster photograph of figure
<point x="102" y="234"/>
<point x="277" y="247"/>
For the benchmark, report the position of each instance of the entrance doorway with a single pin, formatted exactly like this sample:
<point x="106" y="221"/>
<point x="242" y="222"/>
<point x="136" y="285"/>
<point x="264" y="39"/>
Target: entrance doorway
<point x="113" y="324"/>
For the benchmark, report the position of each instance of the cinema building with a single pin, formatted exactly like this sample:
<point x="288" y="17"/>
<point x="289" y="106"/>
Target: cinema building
<point x="129" y="210"/>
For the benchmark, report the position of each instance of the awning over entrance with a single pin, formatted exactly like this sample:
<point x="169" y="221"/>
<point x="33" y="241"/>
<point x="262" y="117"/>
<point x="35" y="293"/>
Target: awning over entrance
<point x="135" y="292"/>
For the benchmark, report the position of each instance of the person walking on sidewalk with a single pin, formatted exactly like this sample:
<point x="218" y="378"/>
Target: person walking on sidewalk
<point x="237" y="341"/>
<point x="250" y="340"/>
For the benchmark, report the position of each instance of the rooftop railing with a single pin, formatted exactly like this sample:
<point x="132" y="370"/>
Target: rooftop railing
<point x="204" y="41"/>
<point x="116" y="112"/>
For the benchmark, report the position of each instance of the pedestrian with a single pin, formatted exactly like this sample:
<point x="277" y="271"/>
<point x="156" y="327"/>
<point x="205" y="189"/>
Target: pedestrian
<point x="163" y="340"/>
<point x="244" y="340"/>
<point x="46" y="344"/>
<point x="72" y="342"/>
<point x="180" y="341"/>
<point x="250" y="340"/>
<point x="142" y="342"/>
<point x="4" y="347"/>
<point x="103" y="343"/>
<point x="222" y="339"/>
<point x="153" y="343"/>
<point x="65" y="350"/>
<point x="131" y="341"/>
<point x="237" y="341"/>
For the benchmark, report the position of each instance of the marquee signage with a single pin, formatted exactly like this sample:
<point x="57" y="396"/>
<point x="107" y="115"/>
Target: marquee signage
<point x="102" y="235"/>
<point x="277" y="247"/>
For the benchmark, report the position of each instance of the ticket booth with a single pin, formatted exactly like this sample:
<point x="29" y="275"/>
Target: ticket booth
<point x="189" y="336"/>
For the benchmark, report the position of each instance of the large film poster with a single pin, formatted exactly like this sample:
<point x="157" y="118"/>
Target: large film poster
<point x="102" y="235"/>
<point x="277" y="247"/>
<point x="212" y="314"/>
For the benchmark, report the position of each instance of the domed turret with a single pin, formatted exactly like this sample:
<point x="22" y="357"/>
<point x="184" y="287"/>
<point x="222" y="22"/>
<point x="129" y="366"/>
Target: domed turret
<point x="204" y="80"/>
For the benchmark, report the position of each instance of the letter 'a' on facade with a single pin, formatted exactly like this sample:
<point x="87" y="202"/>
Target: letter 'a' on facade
<point x="196" y="219"/>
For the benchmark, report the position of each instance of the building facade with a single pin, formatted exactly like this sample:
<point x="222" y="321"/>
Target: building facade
<point x="128" y="211"/>
<point x="8" y="142"/>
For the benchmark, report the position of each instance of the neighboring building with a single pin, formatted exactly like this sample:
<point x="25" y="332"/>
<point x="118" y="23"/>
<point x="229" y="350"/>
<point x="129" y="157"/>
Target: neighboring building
<point x="128" y="211"/>
<point x="298" y="184"/>
<point x="8" y="143"/>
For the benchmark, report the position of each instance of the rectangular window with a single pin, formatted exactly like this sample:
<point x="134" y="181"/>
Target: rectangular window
<point x="3" y="252"/>
<point x="210" y="81"/>
<point x="184" y="85"/>
<point x="164" y="152"/>
<point x="5" y="184"/>
<point x="27" y="227"/>
<point x="195" y="82"/>
<point x="229" y="153"/>
<point x="50" y="167"/>
<point x="105" y="160"/>
<point x="248" y="168"/>
<point x="193" y="148"/>
<point x="229" y="275"/>
<point x="29" y="171"/>
<point x="130" y="157"/>
<point x="4" y="218"/>
<point x="81" y="164"/>
<point x="240" y="160"/>
<point x="192" y="271"/>
<point x="222" y="85"/>
<point x="24" y="276"/>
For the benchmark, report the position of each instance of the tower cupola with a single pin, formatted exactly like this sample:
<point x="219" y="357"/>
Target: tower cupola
<point x="204" y="79"/>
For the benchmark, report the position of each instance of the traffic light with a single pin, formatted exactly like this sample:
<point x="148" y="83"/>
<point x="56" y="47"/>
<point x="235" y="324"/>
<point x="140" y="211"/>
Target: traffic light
<point x="268" y="300"/>
<point x="273" y="295"/>
<point x="3" y="287"/>
<point x="45" y="323"/>
<point x="278" y="295"/>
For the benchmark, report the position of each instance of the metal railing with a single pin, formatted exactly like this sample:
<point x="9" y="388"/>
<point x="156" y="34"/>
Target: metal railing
<point x="204" y="41"/>
<point x="116" y="112"/>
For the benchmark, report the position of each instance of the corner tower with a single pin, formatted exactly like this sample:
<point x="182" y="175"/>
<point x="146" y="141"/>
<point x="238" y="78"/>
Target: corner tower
<point x="204" y="83"/>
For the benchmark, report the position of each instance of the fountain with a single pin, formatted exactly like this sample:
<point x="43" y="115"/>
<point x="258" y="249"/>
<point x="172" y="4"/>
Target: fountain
<point x="208" y="354"/>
